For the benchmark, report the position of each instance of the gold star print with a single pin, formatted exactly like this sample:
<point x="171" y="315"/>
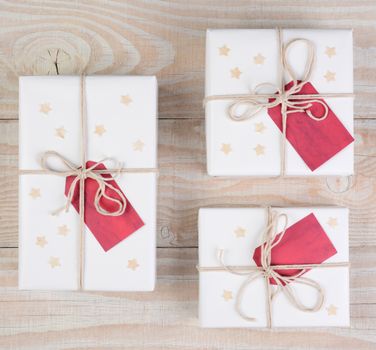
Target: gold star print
<point x="132" y="264"/>
<point x="259" y="59"/>
<point x="60" y="132"/>
<point x="260" y="150"/>
<point x="138" y="145"/>
<point x="63" y="230"/>
<point x="41" y="241"/>
<point x="54" y="262"/>
<point x="226" y="148"/>
<point x="332" y="310"/>
<point x="34" y="193"/>
<point x="126" y="100"/>
<point x="260" y="127"/>
<point x="227" y="295"/>
<point x="330" y="76"/>
<point x="45" y="108"/>
<point x="235" y="73"/>
<point x="240" y="232"/>
<point x="99" y="130"/>
<point x="330" y="51"/>
<point x="332" y="222"/>
<point x="224" y="50"/>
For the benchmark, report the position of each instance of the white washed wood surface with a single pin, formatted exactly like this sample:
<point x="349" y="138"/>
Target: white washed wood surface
<point x="167" y="38"/>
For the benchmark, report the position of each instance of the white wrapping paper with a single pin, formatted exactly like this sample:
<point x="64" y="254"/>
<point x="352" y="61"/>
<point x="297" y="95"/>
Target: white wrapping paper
<point x="121" y="123"/>
<point x="236" y="62"/>
<point x="239" y="232"/>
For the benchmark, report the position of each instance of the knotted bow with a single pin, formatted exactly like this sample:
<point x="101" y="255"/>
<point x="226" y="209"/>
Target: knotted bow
<point x="83" y="173"/>
<point x="251" y="104"/>
<point x="272" y="272"/>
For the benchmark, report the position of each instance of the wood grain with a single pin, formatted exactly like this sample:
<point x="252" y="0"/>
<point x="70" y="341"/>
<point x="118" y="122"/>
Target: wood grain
<point x="167" y="38"/>
<point x="184" y="186"/>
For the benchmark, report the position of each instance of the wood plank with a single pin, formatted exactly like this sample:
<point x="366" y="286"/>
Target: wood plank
<point x="163" y="38"/>
<point x="90" y="320"/>
<point x="184" y="186"/>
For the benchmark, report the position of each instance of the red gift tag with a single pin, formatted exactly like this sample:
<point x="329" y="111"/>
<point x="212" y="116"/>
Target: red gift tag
<point x="108" y="230"/>
<point x="315" y="141"/>
<point x="304" y="242"/>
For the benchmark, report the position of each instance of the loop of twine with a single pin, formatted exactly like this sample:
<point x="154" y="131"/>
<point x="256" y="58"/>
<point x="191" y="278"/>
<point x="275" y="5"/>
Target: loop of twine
<point x="290" y="102"/>
<point x="271" y="273"/>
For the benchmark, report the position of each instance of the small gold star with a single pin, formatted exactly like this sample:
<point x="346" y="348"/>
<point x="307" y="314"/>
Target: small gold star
<point x="226" y="148"/>
<point x="138" y="145"/>
<point x="54" y="261"/>
<point x="235" y="73"/>
<point x="132" y="264"/>
<point x="332" y="310"/>
<point x="126" y="100"/>
<point x="259" y="59"/>
<point x="240" y="232"/>
<point x="260" y="127"/>
<point x="45" y="108"/>
<point x="330" y="51"/>
<point x="63" y="230"/>
<point x="60" y="132"/>
<point x="224" y="50"/>
<point x="330" y="76"/>
<point x="259" y="149"/>
<point x="34" y="193"/>
<point x="227" y="295"/>
<point x="41" y="241"/>
<point x="333" y="222"/>
<point x="99" y="130"/>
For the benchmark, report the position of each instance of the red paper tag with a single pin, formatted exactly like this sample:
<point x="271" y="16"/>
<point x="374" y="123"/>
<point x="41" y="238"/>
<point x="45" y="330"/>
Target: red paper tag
<point x="304" y="242"/>
<point x="315" y="141"/>
<point x="108" y="230"/>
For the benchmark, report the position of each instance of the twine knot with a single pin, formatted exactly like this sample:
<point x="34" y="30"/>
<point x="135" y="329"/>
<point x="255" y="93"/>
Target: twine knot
<point x="81" y="173"/>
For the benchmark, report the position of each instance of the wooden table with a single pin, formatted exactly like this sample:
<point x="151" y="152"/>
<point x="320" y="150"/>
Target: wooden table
<point x="167" y="38"/>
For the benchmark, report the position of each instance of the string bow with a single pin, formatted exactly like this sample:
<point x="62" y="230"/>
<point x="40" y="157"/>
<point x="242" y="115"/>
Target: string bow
<point x="82" y="173"/>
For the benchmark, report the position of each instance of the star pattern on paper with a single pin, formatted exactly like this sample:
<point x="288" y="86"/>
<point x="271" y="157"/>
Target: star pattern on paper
<point x="224" y="50"/>
<point x="226" y="148"/>
<point x="330" y="76"/>
<point x="260" y="127"/>
<point x="60" y="132"/>
<point x="41" y="241"/>
<point x="227" y="295"/>
<point x="235" y="73"/>
<point x="239" y="232"/>
<point x="332" y="310"/>
<point x="332" y="222"/>
<point x="138" y="145"/>
<point x="126" y="100"/>
<point x="133" y="264"/>
<point x="34" y="193"/>
<point x="63" y="230"/>
<point x="330" y="51"/>
<point x="99" y="129"/>
<point x="45" y="108"/>
<point x="259" y="59"/>
<point x="54" y="262"/>
<point x="259" y="149"/>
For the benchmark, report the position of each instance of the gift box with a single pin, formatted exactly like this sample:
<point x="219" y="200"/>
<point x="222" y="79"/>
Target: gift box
<point x="88" y="144"/>
<point x="279" y="102"/>
<point x="273" y="267"/>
